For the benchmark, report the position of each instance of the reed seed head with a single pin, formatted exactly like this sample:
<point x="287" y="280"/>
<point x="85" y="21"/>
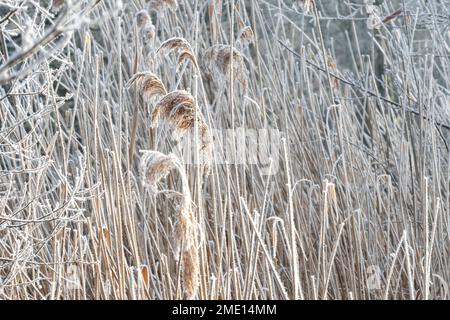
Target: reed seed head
<point x="142" y="19"/>
<point x="179" y="44"/>
<point x="186" y="55"/>
<point x="217" y="62"/>
<point x="175" y="43"/>
<point x="161" y="5"/>
<point x="155" y="166"/>
<point x="178" y="108"/>
<point x="184" y="231"/>
<point x="148" y="84"/>
<point x="148" y="33"/>
<point x="191" y="272"/>
<point x="246" y="36"/>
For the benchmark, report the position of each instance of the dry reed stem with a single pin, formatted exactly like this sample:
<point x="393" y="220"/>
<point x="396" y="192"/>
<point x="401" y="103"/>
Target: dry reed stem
<point x="215" y="15"/>
<point x="106" y="236"/>
<point x="155" y="166"/>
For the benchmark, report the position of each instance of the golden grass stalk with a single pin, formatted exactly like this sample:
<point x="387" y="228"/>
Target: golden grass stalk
<point x="215" y="8"/>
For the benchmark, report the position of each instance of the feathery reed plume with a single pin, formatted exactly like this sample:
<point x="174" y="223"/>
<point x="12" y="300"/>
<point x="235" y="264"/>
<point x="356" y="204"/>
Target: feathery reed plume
<point x="186" y="55"/>
<point x="178" y="108"/>
<point x="245" y="36"/>
<point x="175" y="43"/>
<point x="191" y="271"/>
<point x="145" y="26"/>
<point x="186" y="244"/>
<point x="184" y="231"/>
<point x="148" y="33"/>
<point x="178" y="44"/>
<point x="217" y="60"/>
<point x="142" y="19"/>
<point x="161" y="5"/>
<point x="155" y="166"/>
<point x="148" y="84"/>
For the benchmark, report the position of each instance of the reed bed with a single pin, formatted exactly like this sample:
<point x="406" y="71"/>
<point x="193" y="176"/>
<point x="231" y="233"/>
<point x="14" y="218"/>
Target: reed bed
<point x="224" y="149"/>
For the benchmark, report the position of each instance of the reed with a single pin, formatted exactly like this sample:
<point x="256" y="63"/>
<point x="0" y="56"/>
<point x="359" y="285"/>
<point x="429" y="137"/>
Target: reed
<point x="324" y="126"/>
